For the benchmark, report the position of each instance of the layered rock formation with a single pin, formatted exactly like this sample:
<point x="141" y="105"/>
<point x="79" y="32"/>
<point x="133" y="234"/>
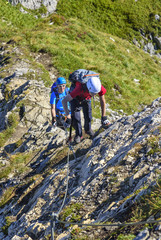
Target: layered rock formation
<point x="106" y="177"/>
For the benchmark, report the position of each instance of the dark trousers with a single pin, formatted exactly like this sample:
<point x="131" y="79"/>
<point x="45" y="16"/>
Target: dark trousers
<point x="76" y="107"/>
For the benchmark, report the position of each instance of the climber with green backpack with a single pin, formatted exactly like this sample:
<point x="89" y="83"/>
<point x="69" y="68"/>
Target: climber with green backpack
<point x="58" y="92"/>
<point x="85" y="84"/>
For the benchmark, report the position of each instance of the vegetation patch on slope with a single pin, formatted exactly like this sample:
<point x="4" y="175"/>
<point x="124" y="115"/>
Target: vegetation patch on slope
<point x="131" y="77"/>
<point x="122" y="18"/>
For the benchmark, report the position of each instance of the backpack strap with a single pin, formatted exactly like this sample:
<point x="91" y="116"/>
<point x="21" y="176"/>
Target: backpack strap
<point x="84" y="87"/>
<point x="91" y="75"/>
<point x="66" y="91"/>
<point x="57" y="99"/>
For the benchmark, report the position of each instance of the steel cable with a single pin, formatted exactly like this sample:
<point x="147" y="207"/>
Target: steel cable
<point x="56" y="215"/>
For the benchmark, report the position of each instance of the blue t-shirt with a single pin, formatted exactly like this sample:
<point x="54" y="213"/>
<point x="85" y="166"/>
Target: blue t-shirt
<point x="59" y="105"/>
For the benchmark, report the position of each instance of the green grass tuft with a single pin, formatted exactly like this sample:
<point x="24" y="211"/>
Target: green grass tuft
<point x="82" y="39"/>
<point x="119" y="17"/>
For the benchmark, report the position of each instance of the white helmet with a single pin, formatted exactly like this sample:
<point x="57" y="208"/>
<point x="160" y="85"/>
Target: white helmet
<point x="94" y="85"/>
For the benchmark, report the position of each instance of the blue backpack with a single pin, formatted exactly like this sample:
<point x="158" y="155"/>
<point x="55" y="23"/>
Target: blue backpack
<point x="54" y="88"/>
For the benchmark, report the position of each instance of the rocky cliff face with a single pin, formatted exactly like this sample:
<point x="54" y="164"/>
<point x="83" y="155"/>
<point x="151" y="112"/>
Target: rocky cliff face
<point x="50" y="5"/>
<point x="106" y="177"/>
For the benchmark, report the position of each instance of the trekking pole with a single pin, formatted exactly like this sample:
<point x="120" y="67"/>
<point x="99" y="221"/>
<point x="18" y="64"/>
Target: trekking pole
<point x="70" y="133"/>
<point x="69" y="143"/>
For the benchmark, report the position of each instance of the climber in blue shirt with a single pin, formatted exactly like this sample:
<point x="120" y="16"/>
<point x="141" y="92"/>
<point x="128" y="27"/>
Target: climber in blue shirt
<point x="58" y="92"/>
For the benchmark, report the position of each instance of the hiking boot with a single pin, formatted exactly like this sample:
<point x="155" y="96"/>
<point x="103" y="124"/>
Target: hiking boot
<point x="77" y="139"/>
<point x="90" y="133"/>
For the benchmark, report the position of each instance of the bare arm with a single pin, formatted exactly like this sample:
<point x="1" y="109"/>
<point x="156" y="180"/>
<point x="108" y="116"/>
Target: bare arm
<point x="65" y="101"/>
<point x="103" y="105"/>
